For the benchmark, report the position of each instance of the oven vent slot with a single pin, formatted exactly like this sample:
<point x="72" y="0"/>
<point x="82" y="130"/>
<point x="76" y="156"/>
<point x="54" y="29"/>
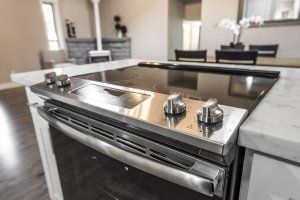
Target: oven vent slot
<point x="172" y="161"/>
<point x="79" y="123"/>
<point x="70" y="119"/>
<point x="102" y="133"/>
<point x="60" y="115"/>
<point x="125" y="143"/>
<point x="131" y="145"/>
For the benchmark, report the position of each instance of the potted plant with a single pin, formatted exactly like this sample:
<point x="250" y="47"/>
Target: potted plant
<point x="124" y="31"/>
<point x="118" y="26"/>
<point x="240" y="27"/>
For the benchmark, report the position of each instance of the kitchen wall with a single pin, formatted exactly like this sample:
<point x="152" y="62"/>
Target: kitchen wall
<point x="214" y="11"/>
<point x="193" y="11"/>
<point x="22" y="36"/>
<point x="287" y="37"/>
<point x="212" y="37"/>
<point x="81" y="13"/>
<point x="175" y="26"/>
<point x="147" y="23"/>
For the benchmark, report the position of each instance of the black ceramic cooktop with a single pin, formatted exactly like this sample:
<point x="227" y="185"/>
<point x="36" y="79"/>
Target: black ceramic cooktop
<point x="242" y="90"/>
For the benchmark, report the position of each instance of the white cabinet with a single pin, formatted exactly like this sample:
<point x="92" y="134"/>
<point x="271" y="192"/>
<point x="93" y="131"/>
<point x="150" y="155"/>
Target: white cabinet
<point x="45" y="146"/>
<point x="272" y="179"/>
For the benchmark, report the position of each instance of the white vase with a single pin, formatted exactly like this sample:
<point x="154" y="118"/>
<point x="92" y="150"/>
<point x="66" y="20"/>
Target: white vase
<point x="119" y="34"/>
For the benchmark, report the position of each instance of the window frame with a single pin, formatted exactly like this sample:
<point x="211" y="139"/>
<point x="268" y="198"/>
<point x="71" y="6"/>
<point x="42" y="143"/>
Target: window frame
<point x="269" y="23"/>
<point x="57" y="22"/>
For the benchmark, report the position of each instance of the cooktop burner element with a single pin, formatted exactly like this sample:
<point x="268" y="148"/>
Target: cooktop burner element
<point x="242" y="90"/>
<point x="112" y="76"/>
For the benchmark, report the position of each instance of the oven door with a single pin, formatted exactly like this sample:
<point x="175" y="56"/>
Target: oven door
<point x="90" y="168"/>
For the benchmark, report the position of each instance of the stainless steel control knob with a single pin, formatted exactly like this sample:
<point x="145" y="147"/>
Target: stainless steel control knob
<point x="174" y="104"/>
<point x="210" y="112"/>
<point x="62" y="80"/>
<point x="50" y="78"/>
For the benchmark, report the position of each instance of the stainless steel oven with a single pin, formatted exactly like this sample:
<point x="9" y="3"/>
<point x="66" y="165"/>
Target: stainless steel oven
<point x="119" y="135"/>
<point x="98" y="161"/>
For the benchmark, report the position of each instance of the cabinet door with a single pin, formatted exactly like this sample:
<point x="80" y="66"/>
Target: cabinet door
<point x="273" y="180"/>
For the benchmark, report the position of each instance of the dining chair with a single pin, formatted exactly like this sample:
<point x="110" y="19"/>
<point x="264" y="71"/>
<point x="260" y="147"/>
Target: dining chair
<point x="265" y="50"/>
<point x="191" y="56"/>
<point x="232" y="48"/>
<point x="236" y="57"/>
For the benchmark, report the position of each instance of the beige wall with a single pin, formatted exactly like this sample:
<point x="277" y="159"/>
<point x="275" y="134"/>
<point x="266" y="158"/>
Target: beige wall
<point x="288" y="38"/>
<point x="213" y="11"/>
<point x="212" y="37"/>
<point x="175" y="29"/>
<point x="147" y="23"/>
<point x="22" y="36"/>
<point x="81" y="13"/>
<point x="193" y="11"/>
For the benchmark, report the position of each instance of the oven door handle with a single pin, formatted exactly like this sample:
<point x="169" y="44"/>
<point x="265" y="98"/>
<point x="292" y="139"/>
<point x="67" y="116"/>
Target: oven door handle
<point x="206" y="186"/>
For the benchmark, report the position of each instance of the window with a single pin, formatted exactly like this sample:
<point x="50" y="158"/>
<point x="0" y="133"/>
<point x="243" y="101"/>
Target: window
<point x="48" y="11"/>
<point x="191" y="35"/>
<point x="273" y="11"/>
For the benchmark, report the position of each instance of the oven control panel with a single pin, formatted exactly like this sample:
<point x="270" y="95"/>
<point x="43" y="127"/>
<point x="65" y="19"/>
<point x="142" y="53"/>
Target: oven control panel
<point x="210" y="113"/>
<point x="174" y="105"/>
<point x="61" y="81"/>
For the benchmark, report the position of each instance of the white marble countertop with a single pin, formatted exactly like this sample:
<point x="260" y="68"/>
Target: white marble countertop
<point x="272" y="128"/>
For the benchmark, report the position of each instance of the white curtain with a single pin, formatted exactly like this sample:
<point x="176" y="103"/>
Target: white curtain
<point x="191" y="35"/>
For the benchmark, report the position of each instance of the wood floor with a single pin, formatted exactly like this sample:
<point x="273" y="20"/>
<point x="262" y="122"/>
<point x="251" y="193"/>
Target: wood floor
<point x="21" y="171"/>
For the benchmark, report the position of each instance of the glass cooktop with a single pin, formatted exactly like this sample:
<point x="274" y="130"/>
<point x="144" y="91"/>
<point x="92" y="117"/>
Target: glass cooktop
<point x="242" y="90"/>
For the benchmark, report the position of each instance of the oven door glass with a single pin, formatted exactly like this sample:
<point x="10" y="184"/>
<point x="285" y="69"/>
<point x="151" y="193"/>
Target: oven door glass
<point x="86" y="174"/>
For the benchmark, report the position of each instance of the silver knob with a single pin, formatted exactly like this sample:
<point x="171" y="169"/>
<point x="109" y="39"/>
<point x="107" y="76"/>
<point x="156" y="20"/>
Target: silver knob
<point x="50" y="78"/>
<point x="174" y="104"/>
<point x="62" y="80"/>
<point x="210" y="112"/>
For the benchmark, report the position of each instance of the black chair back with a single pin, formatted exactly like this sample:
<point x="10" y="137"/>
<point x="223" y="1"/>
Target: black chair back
<point x="236" y="57"/>
<point x="191" y="56"/>
<point x="265" y="50"/>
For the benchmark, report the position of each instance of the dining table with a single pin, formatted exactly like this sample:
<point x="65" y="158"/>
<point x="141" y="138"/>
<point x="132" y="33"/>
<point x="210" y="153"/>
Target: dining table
<point x="270" y="61"/>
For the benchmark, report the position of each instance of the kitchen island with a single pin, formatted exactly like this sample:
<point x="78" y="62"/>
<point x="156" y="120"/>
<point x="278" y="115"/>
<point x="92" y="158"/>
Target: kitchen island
<point x="270" y="133"/>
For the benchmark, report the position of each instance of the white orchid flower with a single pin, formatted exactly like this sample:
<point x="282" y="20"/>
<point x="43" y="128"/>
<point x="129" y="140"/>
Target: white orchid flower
<point x="256" y="20"/>
<point x="226" y="23"/>
<point x="236" y="29"/>
<point x="244" y="23"/>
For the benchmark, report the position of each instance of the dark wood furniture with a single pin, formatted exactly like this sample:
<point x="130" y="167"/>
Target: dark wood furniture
<point x="269" y="61"/>
<point x="233" y="47"/>
<point x="191" y="56"/>
<point x="265" y="50"/>
<point x="236" y="57"/>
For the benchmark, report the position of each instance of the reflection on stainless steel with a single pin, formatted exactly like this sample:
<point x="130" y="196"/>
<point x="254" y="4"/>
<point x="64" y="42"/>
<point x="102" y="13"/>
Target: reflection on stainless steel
<point x="202" y="177"/>
<point x="173" y="120"/>
<point x="121" y="98"/>
<point x="210" y="112"/>
<point x="150" y="116"/>
<point x="174" y="105"/>
<point x="209" y="129"/>
<point x="249" y="82"/>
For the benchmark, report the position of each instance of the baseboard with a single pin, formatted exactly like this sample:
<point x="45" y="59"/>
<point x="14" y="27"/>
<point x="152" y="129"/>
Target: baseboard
<point x="9" y="85"/>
